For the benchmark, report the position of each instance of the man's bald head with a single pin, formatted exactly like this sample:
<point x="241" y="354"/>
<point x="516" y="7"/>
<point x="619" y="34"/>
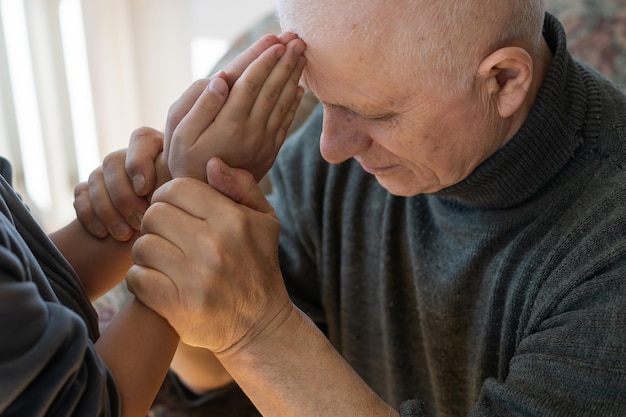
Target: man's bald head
<point x="450" y="37"/>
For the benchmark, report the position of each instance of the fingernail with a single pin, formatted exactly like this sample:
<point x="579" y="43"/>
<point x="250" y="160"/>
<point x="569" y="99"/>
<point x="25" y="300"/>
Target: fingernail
<point x="226" y="170"/>
<point x="139" y="182"/>
<point x="299" y="48"/>
<point x="98" y="229"/>
<point x="217" y="86"/>
<point x="135" y="220"/>
<point x="120" y="230"/>
<point x="280" y="51"/>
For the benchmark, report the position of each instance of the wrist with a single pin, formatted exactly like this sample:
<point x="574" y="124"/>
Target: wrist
<point x="277" y="335"/>
<point x="271" y="371"/>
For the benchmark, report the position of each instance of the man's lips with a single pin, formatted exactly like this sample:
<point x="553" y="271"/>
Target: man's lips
<point x="375" y="170"/>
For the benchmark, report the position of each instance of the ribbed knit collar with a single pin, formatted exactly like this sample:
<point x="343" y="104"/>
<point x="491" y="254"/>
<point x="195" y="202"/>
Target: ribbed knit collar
<point x="546" y="141"/>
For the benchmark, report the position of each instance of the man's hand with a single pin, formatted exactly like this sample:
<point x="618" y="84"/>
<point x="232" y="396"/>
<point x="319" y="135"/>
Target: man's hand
<point x="208" y="259"/>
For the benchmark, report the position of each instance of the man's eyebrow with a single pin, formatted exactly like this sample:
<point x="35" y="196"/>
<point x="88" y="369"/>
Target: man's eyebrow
<point x="354" y="111"/>
<point x="350" y="109"/>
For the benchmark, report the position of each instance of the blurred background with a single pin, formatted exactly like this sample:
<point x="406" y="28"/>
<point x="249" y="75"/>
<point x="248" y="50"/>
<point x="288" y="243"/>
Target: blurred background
<point x="78" y="76"/>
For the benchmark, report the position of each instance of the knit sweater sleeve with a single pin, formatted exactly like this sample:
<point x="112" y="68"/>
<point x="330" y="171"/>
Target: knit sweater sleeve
<point x="573" y="363"/>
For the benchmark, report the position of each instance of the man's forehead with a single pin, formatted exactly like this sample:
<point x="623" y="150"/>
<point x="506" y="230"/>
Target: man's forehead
<point x="338" y="19"/>
<point x="354" y="92"/>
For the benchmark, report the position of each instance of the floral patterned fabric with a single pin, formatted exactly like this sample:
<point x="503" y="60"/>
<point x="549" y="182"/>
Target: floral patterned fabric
<point x="596" y="33"/>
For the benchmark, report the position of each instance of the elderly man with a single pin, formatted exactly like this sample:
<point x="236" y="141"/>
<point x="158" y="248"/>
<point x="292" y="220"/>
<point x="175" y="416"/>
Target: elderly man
<point x="464" y="252"/>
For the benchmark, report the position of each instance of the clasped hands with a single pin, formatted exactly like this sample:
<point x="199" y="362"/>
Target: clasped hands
<point x="206" y="257"/>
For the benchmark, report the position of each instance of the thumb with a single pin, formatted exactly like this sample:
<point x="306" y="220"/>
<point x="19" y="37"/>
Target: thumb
<point x="141" y="159"/>
<point x="237" y="184"/>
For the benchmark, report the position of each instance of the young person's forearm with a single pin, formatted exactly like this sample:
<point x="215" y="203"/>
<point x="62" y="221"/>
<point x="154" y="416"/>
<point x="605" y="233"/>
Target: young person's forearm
<point x="296" y="371"/>
<point x="199" y="369"/>
<point x="137" y="347"/>
<point x="100" y="263"/>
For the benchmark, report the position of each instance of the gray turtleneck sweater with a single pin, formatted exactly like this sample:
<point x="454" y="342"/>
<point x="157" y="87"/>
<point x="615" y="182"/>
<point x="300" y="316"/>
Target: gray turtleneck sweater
<point x="502" y="295"/>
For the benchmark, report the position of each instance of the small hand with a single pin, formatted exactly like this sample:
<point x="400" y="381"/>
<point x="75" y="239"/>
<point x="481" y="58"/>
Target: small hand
<point x="111" y="202"/>
<point x="250" y="128"/>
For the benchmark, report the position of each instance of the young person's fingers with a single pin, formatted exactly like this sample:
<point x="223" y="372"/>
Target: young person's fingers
<point x="104" y="209"/>
<point x="85" y="213"/>
<point x="144" y="147"/>
<point x="122" y="195"/>
<point x="246" y="89"/>
<point x="237" y="66"/>
<point x="287" y="37"/>
<point x="282" y="81"/>
<point x="179" y="109"/>
<point x="230" y="74"/>
<point x="275" y="110"/>
<point x="199" y="117"/>
<point x="283" y="129"/>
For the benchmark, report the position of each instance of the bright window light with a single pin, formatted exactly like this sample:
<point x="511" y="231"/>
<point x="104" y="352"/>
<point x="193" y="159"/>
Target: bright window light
<point x="205" y="53"/>
<point x="25" y="98"/>
<point x="79" y="86"/>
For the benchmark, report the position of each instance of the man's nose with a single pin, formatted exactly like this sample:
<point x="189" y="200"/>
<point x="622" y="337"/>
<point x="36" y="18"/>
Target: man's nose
<point x="342" y="137"/>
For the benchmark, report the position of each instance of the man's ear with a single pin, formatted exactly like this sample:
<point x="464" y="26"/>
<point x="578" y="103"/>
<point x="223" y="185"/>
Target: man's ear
<point x="506" y="76"/>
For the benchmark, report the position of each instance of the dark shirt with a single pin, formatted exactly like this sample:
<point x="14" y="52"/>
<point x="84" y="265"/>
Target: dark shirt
<point x="48" y="363"/>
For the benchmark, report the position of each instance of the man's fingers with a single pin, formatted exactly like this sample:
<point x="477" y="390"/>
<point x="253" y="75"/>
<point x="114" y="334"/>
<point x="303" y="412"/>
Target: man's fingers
<point x="238" y="185"/>
<point x="153" y="288"/>
<point x="155" y="249"/>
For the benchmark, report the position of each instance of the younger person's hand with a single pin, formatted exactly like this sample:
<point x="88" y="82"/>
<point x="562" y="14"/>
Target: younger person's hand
<point x="250" y="128"/>
<point x="113" y="200"/>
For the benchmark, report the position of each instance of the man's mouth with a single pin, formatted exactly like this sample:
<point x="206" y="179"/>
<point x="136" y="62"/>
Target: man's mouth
<point x="375" y="170"/>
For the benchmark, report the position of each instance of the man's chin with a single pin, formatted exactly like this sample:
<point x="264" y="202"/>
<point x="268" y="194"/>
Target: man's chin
<point x="397" y="189"/>
<point x="405" y="188"/>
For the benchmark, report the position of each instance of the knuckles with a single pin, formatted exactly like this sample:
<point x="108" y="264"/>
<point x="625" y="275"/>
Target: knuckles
<point x="113" y="159"/>
<point x="154" y="215"/>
